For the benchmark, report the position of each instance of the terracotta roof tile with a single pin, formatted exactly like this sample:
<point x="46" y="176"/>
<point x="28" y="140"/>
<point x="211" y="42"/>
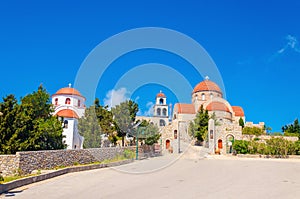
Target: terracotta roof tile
<point x="67" y="113"/>
<point x="217" y="106"/>
<point x="68" y="91"/>
<point x="238" y="111"/>
<point x="207" y="85"/>
<point x="184" y="108"/>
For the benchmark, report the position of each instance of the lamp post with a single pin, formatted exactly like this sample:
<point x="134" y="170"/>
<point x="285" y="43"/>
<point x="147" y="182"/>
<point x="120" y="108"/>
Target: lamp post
<point x="137" y="142"/>
<point x="137" y="139"/>
<point x="178" y="136"/>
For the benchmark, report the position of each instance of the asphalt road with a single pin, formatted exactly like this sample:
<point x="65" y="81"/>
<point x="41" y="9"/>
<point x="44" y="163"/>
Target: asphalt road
<point x="188" y="177"/>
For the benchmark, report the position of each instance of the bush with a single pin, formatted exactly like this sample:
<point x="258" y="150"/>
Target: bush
<point x="241" y="146"/>
<point x="1" y="178"/>
<point x="274" y="146"/>
<point x="128" y="154"/>
<point x="152" y="139"/>
<point x="253" y="131"/>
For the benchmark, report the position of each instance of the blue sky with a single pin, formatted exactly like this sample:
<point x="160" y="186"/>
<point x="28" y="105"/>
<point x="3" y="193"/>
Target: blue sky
<point x="254" y="44"/>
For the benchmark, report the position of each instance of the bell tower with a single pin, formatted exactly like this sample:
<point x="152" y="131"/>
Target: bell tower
<point x="161" y="111"/>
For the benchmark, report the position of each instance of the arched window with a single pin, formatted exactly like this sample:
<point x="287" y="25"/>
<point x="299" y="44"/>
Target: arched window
<point x="78" y="103"/>
<point x="203" y="96"/>
<point x="162" y="123"/>
<point x="56" y="101"/>
<point x="158" y="111"/>
<point x="65" y="124"/>
<point x="68" y="101"/>
<point x="161" y="101"/>
<point x="164" y="112"/>
<point x="211" y="96"/>
<point x="174" y="116"/>
<point x="175" y="134"/>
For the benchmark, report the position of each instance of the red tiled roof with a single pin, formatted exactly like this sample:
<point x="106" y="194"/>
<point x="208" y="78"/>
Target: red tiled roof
<point x="68" y="91"/>
<point x="67" y="113"/>
<point x="217" y="106"/>
<point x="238" y="111"/>
<point x="207" y="85"/>
<point x="184" y="108"/>
<point x="160" y="95"/>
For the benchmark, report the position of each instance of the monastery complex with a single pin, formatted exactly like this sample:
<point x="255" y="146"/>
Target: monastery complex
<point x="70" y="105"/>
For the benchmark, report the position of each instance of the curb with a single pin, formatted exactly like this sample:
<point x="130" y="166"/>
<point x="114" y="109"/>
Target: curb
<point x="29" y="180"/>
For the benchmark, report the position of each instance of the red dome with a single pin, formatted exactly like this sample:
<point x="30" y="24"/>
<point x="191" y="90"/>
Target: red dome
<point x="160" y="94"/>
<point x="68" y="113"/>
<point x="239" y="112"/>
<point x="207" y="85"/>
<point x="217" y="106"/>
<point x="68" y="91"/>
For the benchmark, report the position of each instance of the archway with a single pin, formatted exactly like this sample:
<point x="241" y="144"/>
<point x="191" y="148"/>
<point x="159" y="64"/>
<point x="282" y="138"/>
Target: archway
<point x="162" y="122"/>
<point x="229" y="143"/>
<point x="220" y="144"/>
<point x="167" y="144"/>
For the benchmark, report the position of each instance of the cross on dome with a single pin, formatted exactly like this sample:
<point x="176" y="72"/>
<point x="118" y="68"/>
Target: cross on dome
<point x="70" y="85"/>
<point x="206" y="77"/>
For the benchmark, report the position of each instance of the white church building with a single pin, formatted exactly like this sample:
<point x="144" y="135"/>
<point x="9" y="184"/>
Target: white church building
<point x="69" y="106"/>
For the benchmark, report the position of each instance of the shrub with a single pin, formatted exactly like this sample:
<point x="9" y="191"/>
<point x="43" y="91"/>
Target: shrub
<point x="128" y="154"/>
<point x="241" y="146"/>
<point x="1" y="178"/>
<point x="253" y="131"/>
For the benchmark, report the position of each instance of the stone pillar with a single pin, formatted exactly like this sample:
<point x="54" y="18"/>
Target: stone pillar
<point x="211" y="136"/>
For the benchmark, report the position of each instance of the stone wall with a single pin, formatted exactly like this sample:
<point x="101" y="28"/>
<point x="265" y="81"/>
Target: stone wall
<point x="9" y="164"/>
<point x="26" y="162"/>
<point x="268" y="137"/>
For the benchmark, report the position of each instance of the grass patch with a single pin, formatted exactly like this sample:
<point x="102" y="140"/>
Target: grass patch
<point x="12" y="178"/>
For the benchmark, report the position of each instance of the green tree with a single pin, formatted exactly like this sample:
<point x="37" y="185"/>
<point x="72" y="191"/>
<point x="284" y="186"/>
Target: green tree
<point x="106" y="121"/>
<point x="89" y="128"/>
<point x="124" y="118"/>
<point x="292" y="129"/>
<point x="253" y="131"/>
<point x="34" y="127"/>
<point x="199" y="127"/>
<point x="268" y="129"/>
<point x="150" y="132"/>
<point x="241" y="122"/>
<point x="8" y="108"/>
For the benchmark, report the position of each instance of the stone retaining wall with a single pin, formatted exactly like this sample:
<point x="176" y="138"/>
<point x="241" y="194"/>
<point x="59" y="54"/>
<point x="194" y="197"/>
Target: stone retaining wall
<point x="26" y="162"/>
<point x="9" y="165"/>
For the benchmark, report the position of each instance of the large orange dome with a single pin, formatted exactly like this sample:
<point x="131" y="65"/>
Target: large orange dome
<point x="217" y="106"/>
<point x="207" y="85"/>
<point x="68" y="91"/>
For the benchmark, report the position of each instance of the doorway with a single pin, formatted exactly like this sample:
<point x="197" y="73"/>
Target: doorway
<point x="220" y="144"/>
<point x="167" y="144"/>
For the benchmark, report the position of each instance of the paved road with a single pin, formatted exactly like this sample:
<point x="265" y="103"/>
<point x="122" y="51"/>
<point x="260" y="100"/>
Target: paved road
<point x="189" y="177"/>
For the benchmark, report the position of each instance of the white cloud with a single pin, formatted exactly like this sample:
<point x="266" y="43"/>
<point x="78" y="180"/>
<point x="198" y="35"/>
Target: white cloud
<point x="149" y="106"/>
<point x="115" y="97"/>
<point x="292" y="43"/>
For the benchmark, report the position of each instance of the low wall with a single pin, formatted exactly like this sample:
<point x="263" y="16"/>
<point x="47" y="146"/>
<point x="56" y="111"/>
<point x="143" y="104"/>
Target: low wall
<point x="9" y="164"/>
<point x="268" y="137"/>
<point x="26" y="162"/>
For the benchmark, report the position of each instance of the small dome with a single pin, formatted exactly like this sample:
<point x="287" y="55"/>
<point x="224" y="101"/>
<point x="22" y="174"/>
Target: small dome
<point x="68" y="91"/>
<point x="207" y="85"/>
<point x="239" y="112"/>
<point x="68" y="113"/>
<point x="217" y="106"/>
<point x="160" y="94"/>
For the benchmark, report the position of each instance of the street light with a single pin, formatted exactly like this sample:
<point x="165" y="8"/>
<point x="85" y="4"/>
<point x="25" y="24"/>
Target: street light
<point x="137" y="142"/>
<point x="137" y="139"/>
